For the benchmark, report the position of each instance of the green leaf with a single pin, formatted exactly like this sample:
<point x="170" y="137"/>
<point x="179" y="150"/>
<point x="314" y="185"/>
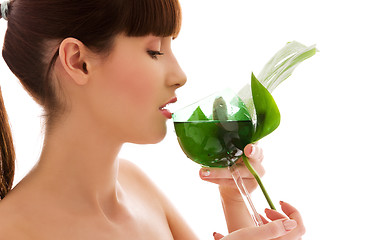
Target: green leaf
<point x="267" y="112"/>
<point x="283" y="63"/>
<point x="198" y="115"/>
<point x="242" y="114"/>
<point x="257" y="97"/>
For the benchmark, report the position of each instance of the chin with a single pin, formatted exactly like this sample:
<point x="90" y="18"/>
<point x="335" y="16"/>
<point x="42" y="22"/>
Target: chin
<point x="151" y="137"/>
<point x="154" y="139"/>
<point x="158" y="138"/>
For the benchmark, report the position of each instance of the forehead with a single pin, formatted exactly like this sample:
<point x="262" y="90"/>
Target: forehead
<point x="150" y="41"/>
<point x="122" y="39"/>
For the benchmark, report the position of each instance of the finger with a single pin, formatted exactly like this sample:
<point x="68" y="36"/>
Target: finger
<point x="208" y="173"/>
<point x="274" y="215"/>
<point x="290" y="211"/>
<point x="293" y="213"/>
<point x="255" y="158"/>
<point x="223" y="173"/>
<point x="256" y="164"/>
<point x="250" y="183"/>
<point x="267" y="231"/>
<point x="228" y="185"/>
<point x="223" y="182"/>
<point x="265" y="221"/>
<point x="217" y="236"/>
<point x="253" y="151"/>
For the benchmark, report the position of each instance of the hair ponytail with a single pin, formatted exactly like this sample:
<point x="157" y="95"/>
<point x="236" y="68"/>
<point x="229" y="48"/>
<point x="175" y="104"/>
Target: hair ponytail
<point x="7" y="152"/>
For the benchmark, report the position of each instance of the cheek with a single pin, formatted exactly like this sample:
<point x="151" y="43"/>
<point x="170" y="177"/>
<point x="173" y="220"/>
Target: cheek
<point x="131" y="97"/>
<point x="132" y="84"/>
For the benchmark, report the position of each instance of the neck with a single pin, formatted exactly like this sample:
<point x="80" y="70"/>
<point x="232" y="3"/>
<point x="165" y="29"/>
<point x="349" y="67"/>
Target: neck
<point x="79" y="162"/>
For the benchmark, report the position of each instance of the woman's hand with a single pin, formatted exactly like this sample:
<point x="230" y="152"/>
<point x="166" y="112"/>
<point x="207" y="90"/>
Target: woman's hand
<point x="223" y="178"/>
<point x="236" y="212"/>
<point x="282" y="227"/>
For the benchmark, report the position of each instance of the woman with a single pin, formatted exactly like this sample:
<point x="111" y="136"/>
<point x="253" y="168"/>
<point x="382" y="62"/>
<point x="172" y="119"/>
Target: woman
<point x="103" y="71"/>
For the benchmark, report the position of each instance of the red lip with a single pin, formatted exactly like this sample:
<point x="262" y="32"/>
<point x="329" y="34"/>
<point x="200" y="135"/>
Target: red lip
<point x="166" y="112"/>
<point x="173" y="100"/>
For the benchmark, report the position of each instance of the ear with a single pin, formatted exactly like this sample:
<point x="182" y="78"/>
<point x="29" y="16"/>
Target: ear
<point x="72" y="55"/>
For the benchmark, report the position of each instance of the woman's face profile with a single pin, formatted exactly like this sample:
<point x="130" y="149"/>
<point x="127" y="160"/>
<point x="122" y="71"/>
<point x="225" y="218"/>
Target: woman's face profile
<point x="129" y="87"/>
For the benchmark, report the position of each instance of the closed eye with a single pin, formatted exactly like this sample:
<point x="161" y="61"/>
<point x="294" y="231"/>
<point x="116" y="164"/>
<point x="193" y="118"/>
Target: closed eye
<point x="154" y="54"/>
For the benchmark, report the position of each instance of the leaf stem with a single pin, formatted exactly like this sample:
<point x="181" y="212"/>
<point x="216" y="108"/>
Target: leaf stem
<point x="256" y="175"/>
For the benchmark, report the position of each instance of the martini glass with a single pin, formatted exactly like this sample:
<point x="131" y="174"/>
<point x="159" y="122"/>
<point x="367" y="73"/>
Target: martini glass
<point x="213" y="132"/>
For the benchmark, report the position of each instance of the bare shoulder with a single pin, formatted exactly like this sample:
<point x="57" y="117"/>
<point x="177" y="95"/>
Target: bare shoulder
<point x="128" y="171"/>
<point x="134" y="177"/>
<point x="11" y="225"/>
<point x="135" y="181"/>
<point x="128" y="167"/>
<point x="6" y="217"/>
<point x="136" y="184"/>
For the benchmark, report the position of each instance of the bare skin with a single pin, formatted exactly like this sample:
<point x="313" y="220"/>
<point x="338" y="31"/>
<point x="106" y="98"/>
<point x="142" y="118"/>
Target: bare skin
<point x="37" y="213"/>
<point x="79" y="189"/>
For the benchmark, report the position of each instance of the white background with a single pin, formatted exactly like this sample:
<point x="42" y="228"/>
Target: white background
<point x="326" y="157"/>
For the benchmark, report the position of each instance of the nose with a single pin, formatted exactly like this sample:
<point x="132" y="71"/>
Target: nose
<point x="176" y="77"/>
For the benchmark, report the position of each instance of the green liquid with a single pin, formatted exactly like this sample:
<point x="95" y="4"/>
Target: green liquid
<point x="214" y="143"/>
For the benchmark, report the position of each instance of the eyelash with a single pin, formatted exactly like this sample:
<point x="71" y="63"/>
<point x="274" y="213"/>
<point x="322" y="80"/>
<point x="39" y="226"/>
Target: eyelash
<point x="153" y="54"/>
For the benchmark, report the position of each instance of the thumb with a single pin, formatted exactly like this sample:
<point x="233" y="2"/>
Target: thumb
<point x="271" y="230"/>
<point x="217" y="236"/>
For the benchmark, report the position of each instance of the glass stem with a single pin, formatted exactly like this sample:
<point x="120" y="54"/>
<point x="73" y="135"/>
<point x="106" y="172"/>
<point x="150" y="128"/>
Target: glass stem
<point x="245" y="195"/>
<point x="256" y="175"/>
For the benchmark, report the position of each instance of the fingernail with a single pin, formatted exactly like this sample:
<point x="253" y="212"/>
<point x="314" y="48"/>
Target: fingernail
<point x="214" y="233"/>
<point x="205" y="172"/>
<point x="281" y="202"/>
<point x="252" y="151"/>
<point x="289" y="224"/>
<point x="268" y="209"/>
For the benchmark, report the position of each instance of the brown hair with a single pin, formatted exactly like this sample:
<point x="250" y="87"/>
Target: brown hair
<point x="32" y="25"/>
